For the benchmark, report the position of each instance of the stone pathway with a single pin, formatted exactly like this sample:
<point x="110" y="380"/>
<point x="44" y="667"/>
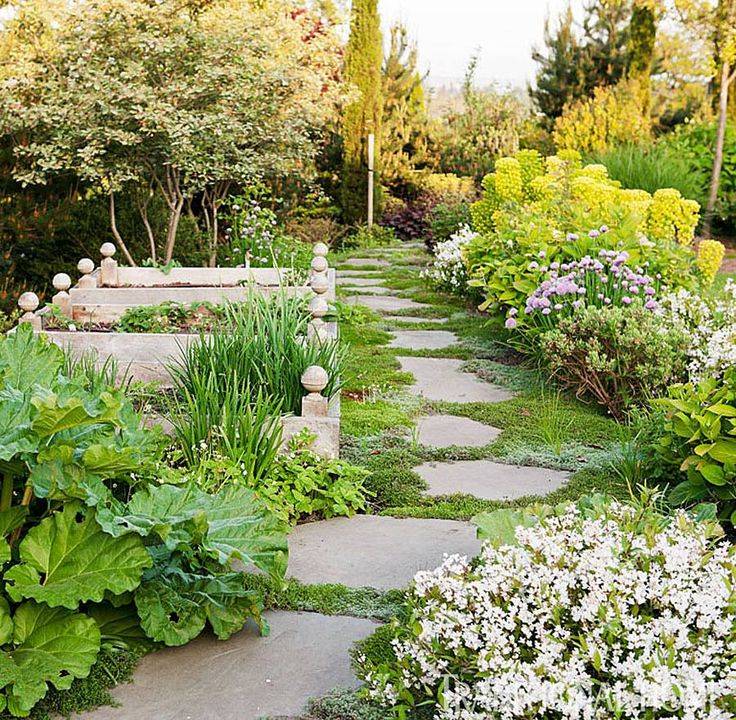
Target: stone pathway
<point x="443" y="380"/>
<point x="443" y="431"/>
<point x="248" y="677"/>
<point x="375" y="551"/>
<point x="423" y="339"/>
<point x="490" y="480"/>
<point x="307" y="654"/>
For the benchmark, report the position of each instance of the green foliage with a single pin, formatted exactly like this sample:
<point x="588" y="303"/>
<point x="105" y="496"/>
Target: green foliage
<point x="170" y="317"/>
<point x="264" y="348"/>
<point x="345" y="705"/>
<point x="535" y="212"/>
<point x="370" y="417"/>
<point x="364" y="237"/>
<point x="484" y="129"/>
<point x="255" y="237"/>
<point x="362" y="116"/>
<point x="446" y="219"/>
<point x="93" y="553"/>
<point x="575" y="63"/>
<point x="698" y="439"/>
<point x="651" y="167"/>
<point x="303" y="485"/>
<point x="694" y="143"/>
<point x="619" y="356"/>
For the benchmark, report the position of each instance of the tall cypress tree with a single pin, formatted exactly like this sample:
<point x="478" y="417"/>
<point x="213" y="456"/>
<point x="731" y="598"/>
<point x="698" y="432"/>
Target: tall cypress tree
<point x="642" y="36"/>
<point x="363" y="59"/>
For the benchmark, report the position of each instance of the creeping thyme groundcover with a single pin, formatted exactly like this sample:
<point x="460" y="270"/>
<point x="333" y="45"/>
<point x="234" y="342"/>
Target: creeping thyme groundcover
<point x="591" y="611"/>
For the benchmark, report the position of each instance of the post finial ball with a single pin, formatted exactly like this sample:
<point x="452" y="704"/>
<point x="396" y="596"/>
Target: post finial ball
<point x="319" y="264"/>
<point x="315" y="379"/>
<point x="85" y="266"/>
<point x="61" y="282"/>
<point x="107" y="250"/>
<point x="321" y="249"/>
<point x="28" y="302"/>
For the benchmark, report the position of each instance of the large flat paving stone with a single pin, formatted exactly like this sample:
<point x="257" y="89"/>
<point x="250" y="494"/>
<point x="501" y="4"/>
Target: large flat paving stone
<point x="369" y="289"/>
<point x="423" y="339"/>
<point x="384" y="304"/>
<point x="353" y="281"/>
<point x="443" y="431"/>
<point x="490" y="480"/>
<point x="366" y="262"/>
<point x="442" y="379"/>
<point x="374" y="551"/>
<point x="415" y="320"/>
<point x="246" y="677"/>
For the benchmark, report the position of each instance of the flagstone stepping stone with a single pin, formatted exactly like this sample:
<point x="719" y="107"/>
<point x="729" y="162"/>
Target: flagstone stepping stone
<point x="443" y="431"/>
<point x="423" y="339"/>
<point x="490" y="480"/>
<point x="384" y="304"/>
<point x="370" y="289"/>
<point x="413" y="320"/>
<point x="358" y="281"/>
<point x="359" y="274"/>
<point x="375" y="551"/>
<point x="442" y="379"/>
<point x="246" y="677"/>
<point x="367" y="262"/>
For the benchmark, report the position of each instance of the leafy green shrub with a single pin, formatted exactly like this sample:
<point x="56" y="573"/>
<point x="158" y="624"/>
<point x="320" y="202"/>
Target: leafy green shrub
<point x="700" y="439"/>
<point x="694" y="143"/>
<point x="94" y="550"/>
<point x="364" y="237"/>
<point x="561" y="616"/>
<point x="446" y="219"/>
<point x="533" y="209"/>
<point x="619" y="356"/>
<point x="651" y="167"/>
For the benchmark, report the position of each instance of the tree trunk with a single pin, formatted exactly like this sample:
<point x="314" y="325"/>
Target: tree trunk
<point x="715" y="179"/>
<point x="118" y="238"/>
<point x="173" y="227"/>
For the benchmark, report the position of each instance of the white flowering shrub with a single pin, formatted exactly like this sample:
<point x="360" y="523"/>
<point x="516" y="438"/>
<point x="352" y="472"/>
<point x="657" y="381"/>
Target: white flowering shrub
<point x="448" y="270"/>
<point x="593" y="611"/>
<point x="710" y="326"/>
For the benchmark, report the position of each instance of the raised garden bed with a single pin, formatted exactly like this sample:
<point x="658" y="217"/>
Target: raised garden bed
<point x="82" y="319"/>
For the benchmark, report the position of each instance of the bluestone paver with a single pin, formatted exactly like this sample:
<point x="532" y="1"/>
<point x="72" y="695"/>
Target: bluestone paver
<point x="423" y="339"/>
<point x="442" y="431"/>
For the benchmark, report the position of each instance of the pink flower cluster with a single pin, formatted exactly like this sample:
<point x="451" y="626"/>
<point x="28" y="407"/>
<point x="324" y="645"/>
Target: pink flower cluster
<point x="601" y="281"/>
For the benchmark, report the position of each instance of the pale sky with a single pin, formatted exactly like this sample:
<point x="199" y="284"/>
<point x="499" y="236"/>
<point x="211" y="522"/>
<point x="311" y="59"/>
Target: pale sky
<point x="449" y="31"/>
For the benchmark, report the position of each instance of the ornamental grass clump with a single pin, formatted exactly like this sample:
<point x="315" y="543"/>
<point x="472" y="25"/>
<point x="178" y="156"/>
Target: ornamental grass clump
<point x="594" y="611"/>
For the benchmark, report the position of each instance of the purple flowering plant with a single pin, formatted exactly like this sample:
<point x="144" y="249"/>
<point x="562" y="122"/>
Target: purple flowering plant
<point x="600" y="280"/>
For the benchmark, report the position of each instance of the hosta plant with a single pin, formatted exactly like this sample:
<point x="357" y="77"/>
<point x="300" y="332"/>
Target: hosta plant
<point x="94" y="550"/>
<point x="700" y="439"/>
<point x="589" y="611"/>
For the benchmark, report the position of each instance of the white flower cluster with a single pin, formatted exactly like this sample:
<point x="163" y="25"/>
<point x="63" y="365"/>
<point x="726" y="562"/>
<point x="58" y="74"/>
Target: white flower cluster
<point x="710" y="327"/>
<point x="596" y="617"/>
<point x="448" y="271"/>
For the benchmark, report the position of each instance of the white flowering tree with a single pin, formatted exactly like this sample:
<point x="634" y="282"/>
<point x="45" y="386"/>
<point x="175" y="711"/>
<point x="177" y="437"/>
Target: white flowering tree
<point x="173" y="98"/>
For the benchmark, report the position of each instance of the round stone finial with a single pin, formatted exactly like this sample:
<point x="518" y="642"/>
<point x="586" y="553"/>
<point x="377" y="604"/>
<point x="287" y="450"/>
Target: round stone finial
<point x="61" y="282"/>
<point x="28" y="302"/>
<point x="318" y="307"/>
<point x="107" y="250"/>
<point x="319" y="264"/>
<point x="85" y="266"/>
<point x="319" y="284"/>
<point x="315" y="379"/>
<point x="321" y="249"/>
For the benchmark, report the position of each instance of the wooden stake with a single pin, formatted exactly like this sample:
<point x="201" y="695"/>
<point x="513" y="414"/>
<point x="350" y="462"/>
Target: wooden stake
<point x="371" y="153"/>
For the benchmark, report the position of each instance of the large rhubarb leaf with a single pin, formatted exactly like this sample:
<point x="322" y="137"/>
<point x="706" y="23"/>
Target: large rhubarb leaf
<point x="234" y="524"/>
<point x="52" y="645"/>
<point x="120" y="626"/>
<point x="27" y="361"/>
<point x="15" y="422"/>
<point x="10" y="519"/>
<point x="68" y="559"/>
<point x="174" y="608"/>
<point x="55" y="414"/>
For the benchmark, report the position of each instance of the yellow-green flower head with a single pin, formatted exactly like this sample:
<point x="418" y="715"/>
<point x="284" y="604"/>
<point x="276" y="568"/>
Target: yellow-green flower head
<point x="710" y="257"/>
